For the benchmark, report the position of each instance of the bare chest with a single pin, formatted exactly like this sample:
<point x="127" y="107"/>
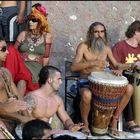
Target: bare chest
<point x="46" y="108"/>
<point x="92" y="55"/>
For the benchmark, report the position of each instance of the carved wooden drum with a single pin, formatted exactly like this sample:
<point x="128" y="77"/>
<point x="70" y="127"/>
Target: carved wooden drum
<point x="107" y="91"/>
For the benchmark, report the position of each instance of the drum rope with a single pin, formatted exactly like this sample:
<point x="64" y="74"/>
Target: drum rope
<point x="6" y="133"/>
<point x="7" y="85"/>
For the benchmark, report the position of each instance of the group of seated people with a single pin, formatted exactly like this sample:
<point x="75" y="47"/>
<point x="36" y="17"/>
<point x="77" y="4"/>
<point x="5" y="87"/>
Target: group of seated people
<point x="94" y="54"/>
<point x="24" y="70"/>
<point x="29" y="85"/>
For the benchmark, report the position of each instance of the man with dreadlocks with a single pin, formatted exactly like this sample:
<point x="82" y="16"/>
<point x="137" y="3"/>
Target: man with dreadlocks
<point x="9" y="105"/>
<point x="92" y="55"/>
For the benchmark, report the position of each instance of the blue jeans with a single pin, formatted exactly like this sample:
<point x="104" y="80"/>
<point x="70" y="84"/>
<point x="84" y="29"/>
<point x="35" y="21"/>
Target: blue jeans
<point x="9" y="29"/>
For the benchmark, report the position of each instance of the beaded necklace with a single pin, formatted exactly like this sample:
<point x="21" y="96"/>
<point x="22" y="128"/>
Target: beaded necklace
<point x="33" y="41"/>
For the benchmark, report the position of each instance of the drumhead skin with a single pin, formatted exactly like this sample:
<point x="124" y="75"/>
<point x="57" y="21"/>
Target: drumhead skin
<point x="76" y="134"/>
<point x="107" y="78"/>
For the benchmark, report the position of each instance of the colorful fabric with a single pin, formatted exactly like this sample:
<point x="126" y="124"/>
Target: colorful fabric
<point x="19" y="71"/>
<point x="32" y="63"/>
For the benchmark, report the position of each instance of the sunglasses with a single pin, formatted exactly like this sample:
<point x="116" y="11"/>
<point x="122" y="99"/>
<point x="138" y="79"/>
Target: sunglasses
<point x="102" y="31"/>
<point x="34" y="20"/>
<point x="3" y="49"/>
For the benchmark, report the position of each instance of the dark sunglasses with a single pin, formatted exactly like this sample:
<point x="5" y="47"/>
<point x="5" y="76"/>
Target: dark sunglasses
<point x="3" y="49"/>
<point x="102" y="31"/>
<point x="34" y="20"/>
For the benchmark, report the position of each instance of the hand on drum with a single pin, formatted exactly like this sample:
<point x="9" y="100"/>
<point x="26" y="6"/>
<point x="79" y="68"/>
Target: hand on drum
<point x="76" y="127"/>
<point x="117" y="72"/>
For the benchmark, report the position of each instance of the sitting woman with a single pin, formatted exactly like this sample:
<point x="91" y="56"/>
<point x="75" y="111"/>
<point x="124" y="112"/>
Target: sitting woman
<point x="34" y="46"/>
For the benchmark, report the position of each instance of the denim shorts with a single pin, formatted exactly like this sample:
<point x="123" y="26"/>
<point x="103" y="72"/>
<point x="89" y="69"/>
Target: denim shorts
<point x="82" y="83"/>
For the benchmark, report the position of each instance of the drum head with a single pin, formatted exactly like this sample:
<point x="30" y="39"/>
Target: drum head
<point x="76" y="134"/>
<point x="107" y="78"/>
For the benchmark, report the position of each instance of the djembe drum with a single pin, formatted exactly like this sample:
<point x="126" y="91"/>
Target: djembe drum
<point x="107" y="91"/>
<point x="136" y="95"/>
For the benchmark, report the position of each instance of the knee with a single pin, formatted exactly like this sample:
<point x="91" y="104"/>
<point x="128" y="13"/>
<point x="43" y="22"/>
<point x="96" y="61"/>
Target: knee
<point x="129" y="90"/>
<point x="86" y="95"/>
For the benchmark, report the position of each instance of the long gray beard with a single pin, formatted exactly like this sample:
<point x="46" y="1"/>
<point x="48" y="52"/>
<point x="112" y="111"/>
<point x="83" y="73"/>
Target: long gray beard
<point x="98" y="44"/>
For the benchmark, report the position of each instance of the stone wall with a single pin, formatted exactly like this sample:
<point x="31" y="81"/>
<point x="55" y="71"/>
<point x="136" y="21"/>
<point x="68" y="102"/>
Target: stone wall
<point x="70" y="20"/>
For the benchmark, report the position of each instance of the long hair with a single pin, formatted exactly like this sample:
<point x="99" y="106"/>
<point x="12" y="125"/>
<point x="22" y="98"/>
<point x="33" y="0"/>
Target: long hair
<point x="132" y="28"/>
<point x="90" y="37"/>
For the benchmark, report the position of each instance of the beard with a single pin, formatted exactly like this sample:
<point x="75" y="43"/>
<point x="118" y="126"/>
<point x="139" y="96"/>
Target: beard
<point x="55" y="89"/>
<point x="98" y="44"/>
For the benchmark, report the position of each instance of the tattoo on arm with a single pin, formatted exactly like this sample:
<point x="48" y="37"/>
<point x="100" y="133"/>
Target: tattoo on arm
<point x="31" y="103"/>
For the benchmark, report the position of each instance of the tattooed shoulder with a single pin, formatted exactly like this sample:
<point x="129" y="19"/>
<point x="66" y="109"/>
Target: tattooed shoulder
<point x="31" y="102"/>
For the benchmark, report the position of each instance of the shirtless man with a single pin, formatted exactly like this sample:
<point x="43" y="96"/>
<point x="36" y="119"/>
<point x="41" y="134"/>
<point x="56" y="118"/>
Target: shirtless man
<point x="9" y="106"/>
<point x="92" y="55"/>
<point x="12" y="14"/>
<point x="44" y="102"/>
